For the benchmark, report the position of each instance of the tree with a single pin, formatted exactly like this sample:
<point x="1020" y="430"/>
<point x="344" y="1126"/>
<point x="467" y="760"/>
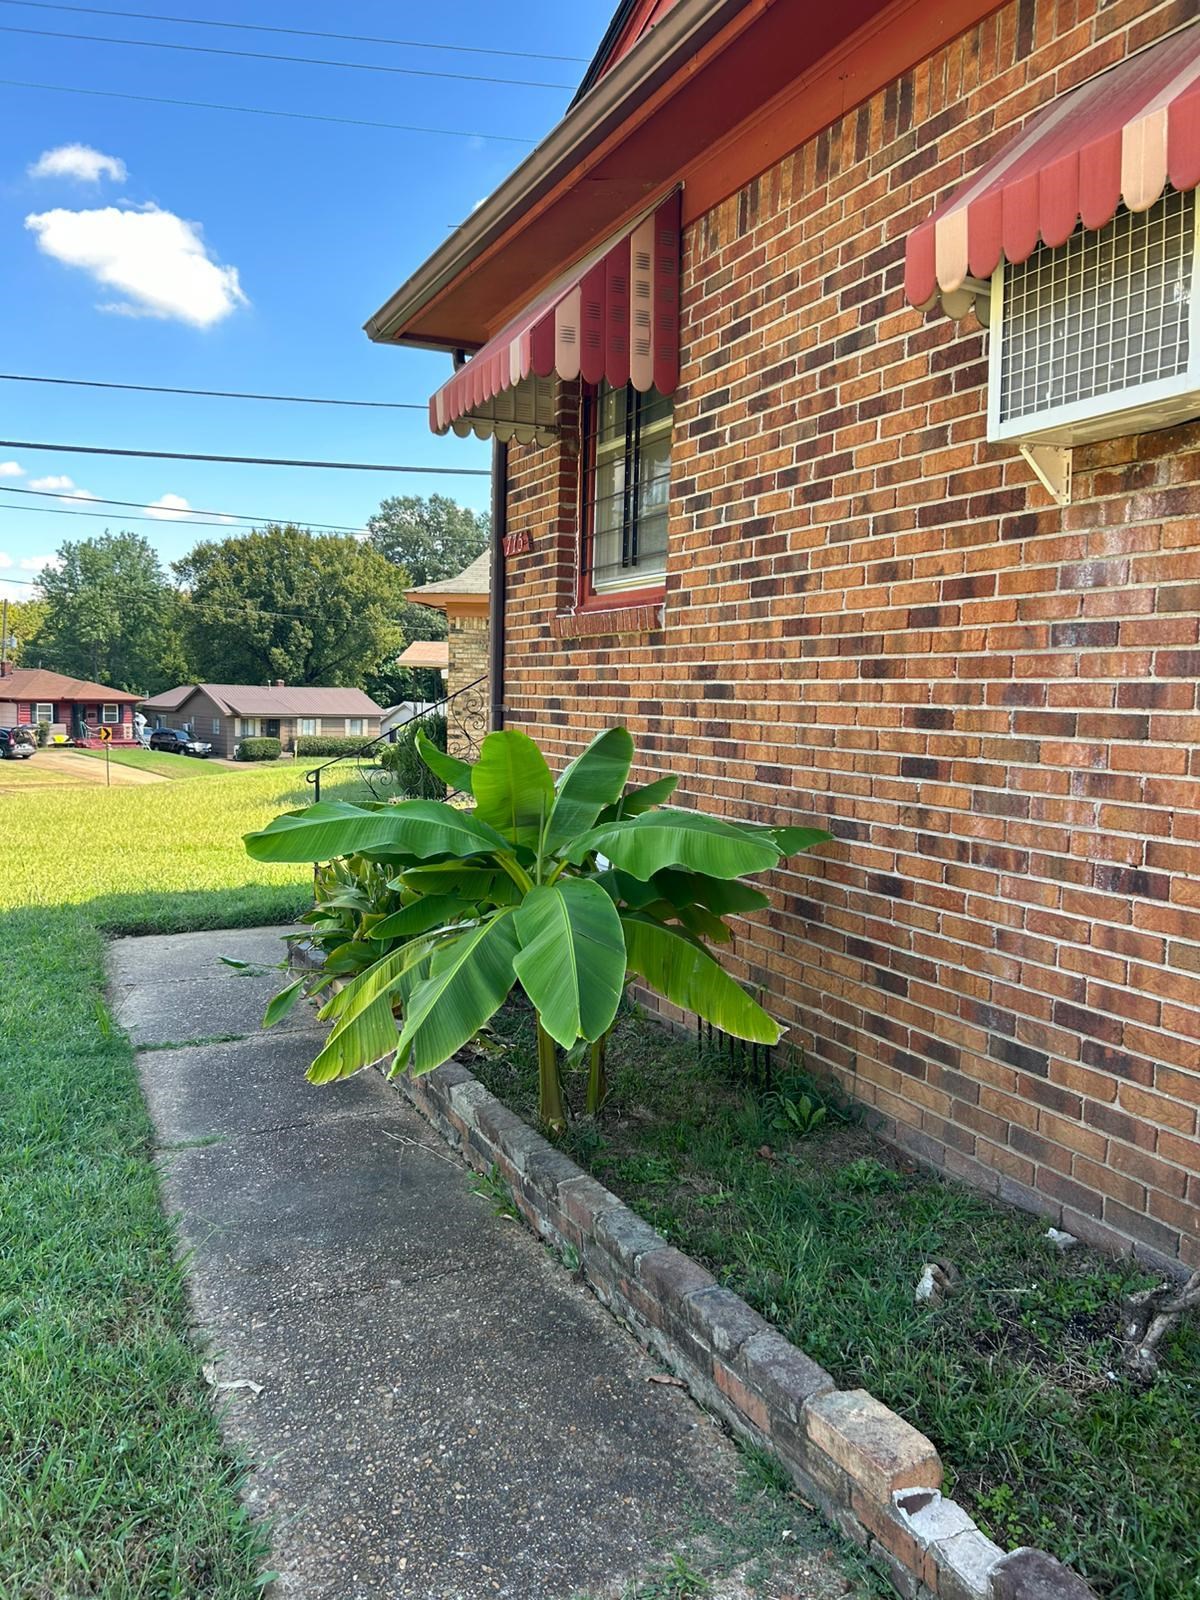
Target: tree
<point x="111" y="615"/>
<point x="569" y="889"/>
<point x="281" y="602"/>
<point x="25" y="619"/>
<point x="430" y="539"/>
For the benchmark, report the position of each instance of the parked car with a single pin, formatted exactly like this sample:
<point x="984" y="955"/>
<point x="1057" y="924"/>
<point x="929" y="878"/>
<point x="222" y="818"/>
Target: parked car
<point x="178" y="741"/>
<point x="17" y="744"/>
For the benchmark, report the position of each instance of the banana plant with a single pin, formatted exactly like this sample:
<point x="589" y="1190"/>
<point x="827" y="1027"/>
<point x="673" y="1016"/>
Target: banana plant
<point x="568" y="889"/>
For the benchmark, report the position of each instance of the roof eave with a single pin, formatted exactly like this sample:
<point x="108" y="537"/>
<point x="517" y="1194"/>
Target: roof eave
<point x="655" y="57"/>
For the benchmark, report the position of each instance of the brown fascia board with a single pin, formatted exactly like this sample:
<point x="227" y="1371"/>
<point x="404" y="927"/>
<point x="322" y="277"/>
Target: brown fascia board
<point x="651" y="62"/>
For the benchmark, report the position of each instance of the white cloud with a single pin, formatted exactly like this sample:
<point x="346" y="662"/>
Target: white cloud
<point x="54" y="481"/>
<point x="59" y="481"/>
<point x="78" y="161"/>
<point x="38" y="563"/>
<point x="16" y="591"/>
<point x="5" y="559"/>
<point x="174" y="508"/>
<point x="10" y="469"/>
<point x="156" y="259"/>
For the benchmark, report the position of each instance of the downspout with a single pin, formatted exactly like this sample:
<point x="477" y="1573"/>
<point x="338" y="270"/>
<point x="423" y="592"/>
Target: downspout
<point x="497" y="596"/>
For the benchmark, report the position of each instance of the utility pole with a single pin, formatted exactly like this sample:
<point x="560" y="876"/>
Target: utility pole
<point x="3" y="633"/>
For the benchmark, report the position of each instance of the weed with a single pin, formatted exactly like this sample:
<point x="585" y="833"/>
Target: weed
<point x="865" y="1175"/>
<point x="493" y="1185"/>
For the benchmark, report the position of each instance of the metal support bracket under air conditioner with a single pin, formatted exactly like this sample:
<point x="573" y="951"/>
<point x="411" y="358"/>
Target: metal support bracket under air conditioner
<point x="1051" y="464"/>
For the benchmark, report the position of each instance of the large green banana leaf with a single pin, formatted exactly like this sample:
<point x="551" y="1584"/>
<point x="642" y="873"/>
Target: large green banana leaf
<point x="512" y="786"/>
<point x="446" y="767"/>
<point x="355" y="1043"/>
<point x="418" y="828"/>
<point x="639" y="800"/>
<point x="375" y="980"/>
<point x="592" y="781"/>
<point x="724" y="897"/>
<point x="430" y="911"/>
<point x="572" y="958"/>
<point x="666" y="837"/>
<point x="688" y="976"/>
<point x="468" y="982"/>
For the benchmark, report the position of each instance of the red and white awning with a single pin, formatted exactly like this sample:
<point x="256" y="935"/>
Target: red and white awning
<point x="613" y="316"/>
<point x="1122" y="137"/>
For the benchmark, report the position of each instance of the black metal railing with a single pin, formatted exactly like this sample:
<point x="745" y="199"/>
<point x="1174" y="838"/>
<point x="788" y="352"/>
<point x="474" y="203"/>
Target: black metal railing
<point x="466" y="714"/>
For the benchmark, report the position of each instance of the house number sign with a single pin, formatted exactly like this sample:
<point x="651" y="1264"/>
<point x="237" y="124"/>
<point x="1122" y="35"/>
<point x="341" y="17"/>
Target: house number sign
<point x="516" y="544"/>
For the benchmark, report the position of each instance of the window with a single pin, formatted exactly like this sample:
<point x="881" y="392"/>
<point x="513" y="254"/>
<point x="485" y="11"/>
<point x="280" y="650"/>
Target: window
<point x="626" y="485"/>
<point x="216" y="724"/>
<point x="110" y="713"/>
<point x="43" y="711"/>
<point x="1095" y="338"/>
<point x="247" y="727"/>
<point x="310" y="725"/>
<point x="354" y="725"/>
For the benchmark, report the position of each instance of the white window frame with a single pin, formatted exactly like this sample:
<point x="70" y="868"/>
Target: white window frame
<point x="356" y="726"/>
<point x="41" y="706"/>
<point x="104" y="713"/>
<point x="308" y="727"/>
<point x="1108" y="416"/>
<point x="247" y="727"/>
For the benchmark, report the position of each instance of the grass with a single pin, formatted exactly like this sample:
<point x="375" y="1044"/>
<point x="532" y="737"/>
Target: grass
<point x="113" y="1479"/>
<point x="167" y="766"/>
<point x="1017" y="1376"/>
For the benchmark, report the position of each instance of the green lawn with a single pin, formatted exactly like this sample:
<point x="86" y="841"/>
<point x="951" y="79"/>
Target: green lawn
<point x="1017" y="1377"/>
<point x="167" y="766"/>
<point x="113" y="1481"/>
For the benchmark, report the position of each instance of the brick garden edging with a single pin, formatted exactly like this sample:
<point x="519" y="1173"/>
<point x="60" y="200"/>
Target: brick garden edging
<point x="872" y="1475"/>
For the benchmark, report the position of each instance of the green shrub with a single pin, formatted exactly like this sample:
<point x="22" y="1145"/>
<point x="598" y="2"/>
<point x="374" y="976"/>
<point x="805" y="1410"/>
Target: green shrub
<point x="318" y="744"/>
<point x="43" y="733"/>
<point x="402" y="759"/>
<point x="259" y="750"/>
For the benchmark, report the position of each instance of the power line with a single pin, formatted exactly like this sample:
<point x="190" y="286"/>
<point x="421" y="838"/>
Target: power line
<point x="215" y="394"/>
<point x="244" y="461"/>
<point x="107" y="516"/>
<point x="262" y="111"/>
<point x="304" y="61"/>
<point x="300" y="33"/>
<point x="240" y="516"/>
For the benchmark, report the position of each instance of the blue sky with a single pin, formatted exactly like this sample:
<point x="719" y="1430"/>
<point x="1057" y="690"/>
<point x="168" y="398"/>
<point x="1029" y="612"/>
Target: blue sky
<point x="263" y="244"/>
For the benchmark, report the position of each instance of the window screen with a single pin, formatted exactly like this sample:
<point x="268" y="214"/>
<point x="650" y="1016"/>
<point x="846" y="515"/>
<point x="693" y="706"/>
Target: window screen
<point x="1105" y="312"/>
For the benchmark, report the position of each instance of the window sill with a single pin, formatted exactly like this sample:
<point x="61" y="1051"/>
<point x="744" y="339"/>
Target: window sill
<point x="629" y="611"/>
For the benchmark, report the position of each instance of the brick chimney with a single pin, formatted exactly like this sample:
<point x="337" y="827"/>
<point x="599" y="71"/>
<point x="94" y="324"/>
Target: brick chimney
<point x="6" y="668"/>
<point x="280" y="684"/>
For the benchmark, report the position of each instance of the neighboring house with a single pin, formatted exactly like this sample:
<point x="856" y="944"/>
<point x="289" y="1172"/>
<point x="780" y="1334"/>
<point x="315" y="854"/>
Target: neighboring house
<point x="767" y="491"/>
<point x="429" y="654"/>
<point x="227" y="713"/>
<point x="394" y="717"/>
<point x="75" y="708"/>
<point x="464" y="599"/>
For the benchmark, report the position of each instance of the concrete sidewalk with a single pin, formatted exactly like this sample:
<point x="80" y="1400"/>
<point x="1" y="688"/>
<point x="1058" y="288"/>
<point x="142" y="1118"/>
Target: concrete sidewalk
<point x="434" y="1408"/>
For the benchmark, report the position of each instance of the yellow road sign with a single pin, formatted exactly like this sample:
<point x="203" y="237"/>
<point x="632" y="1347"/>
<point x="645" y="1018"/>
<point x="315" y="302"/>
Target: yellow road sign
<point x="105" y="735"/>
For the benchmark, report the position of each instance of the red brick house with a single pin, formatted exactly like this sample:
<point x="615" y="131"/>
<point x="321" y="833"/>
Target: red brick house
<point x="74" y="708"/>
<point x="841" y="365"/>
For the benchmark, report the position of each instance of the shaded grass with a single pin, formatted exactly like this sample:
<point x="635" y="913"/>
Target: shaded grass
<point x="1017" y="1377"/>
<point x="114" y="1482"/>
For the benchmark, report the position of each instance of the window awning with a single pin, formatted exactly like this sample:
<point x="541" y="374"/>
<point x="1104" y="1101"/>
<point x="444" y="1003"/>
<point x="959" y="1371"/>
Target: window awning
<point x="615" y="315"/>
<point x="1123" y="136"/>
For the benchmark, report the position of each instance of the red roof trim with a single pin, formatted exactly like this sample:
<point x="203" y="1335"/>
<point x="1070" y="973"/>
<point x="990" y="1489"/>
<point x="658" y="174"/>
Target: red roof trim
<point x="1121" y="137"/>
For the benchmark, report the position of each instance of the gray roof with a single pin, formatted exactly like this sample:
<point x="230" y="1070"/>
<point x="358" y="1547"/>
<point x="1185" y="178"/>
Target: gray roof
<point x="475" y="579"/>
<point x="264" y="700"/>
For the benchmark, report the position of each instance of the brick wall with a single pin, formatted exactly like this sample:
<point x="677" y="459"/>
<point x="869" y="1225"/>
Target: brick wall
<point x="877" y="620"/>
<point x="468" y="638"/>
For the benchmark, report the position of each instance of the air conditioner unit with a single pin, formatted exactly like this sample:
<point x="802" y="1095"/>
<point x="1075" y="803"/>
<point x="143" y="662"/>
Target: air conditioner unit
<point x="1099" y="337"/>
